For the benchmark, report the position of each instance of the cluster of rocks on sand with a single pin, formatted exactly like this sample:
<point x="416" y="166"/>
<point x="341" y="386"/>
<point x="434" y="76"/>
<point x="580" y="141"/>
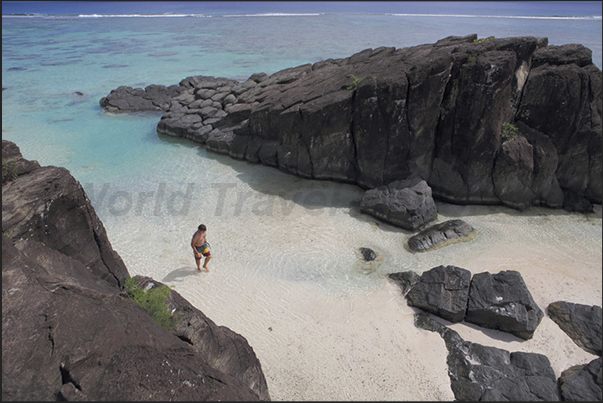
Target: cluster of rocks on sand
<point x="503" y="302"/>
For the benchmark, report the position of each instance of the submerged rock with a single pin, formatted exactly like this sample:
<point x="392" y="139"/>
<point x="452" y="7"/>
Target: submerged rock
<point x="368" y="254"/>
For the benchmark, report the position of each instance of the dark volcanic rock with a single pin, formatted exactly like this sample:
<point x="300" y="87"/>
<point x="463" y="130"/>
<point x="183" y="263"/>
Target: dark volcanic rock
<point x="442" y="291"/>
<point x="34" y="210"/>
<point x="581" y="322"/>
<point x="13" y="161"/>
<point x="152" y="98"/>
<point x="69" y="332"/>
<point x="405" y="280"/>
<point x="562" y="98"/>
<point x="368" y="254"/>
<point x="482" y="373"/>
<point x="582" y="383"/>
<point x="407" y="204"/>
<point x="222" y="348"/>
<point x="433" y="111"/>
<point x="502" y="301"/>
<point x="440" y="235"/>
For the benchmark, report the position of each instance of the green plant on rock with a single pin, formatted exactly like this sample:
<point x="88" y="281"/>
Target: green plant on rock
<point x="509" y="130"/>
<point x="153" y="301"/>
<point x="483" y="39"/>
<point x="354" y="84"/>
<point x="471" y="58"/>
<point x="8" y="171"/>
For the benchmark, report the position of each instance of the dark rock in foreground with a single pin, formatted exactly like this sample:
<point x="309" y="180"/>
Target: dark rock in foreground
<point x="223" y="349"/>
<point x="502" y="301"/>
<point x="68" y="331"/>
<point x="407" y="204"/>
<point x="439" y="112"/>
<point x="442" y="291"/>
<point x="482" y="373"/>
<point x="581" y="322"/>
<point x="440" y="235"/>
<point x="582" y="383"/>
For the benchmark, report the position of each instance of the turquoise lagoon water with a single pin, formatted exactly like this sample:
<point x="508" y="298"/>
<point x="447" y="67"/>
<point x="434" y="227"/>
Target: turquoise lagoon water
<point x="272" y="234"/>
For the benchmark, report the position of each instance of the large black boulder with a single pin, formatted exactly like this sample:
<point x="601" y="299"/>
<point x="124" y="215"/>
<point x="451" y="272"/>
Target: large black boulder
<point x="503" y="302"/>
<point x="442" y="291"/>
<point x="407" y="204"/>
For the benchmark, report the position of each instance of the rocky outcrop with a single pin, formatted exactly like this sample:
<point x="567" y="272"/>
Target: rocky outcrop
<point x="442" y="291"/>
<point x="151" y="98"/>
<point x="407" y="204"/>
<point x="440" y="235"/>
<point x="68" y="330"/>
<point x="582" y="383"/>
<point x="13" y="163"/>
<point x="482" y="373"/>
<point x="222" y="348"/>
<point x="496" y="301"/>
<point x="583" y="323"/>
<point x="502" y="301"/>
<point x="436" y="112"/>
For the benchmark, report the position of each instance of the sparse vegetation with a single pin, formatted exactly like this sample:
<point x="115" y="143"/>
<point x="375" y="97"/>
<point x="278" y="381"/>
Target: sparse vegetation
<point x="354" y="84"/>
<point x="8" y="171"/>
<point x="509" y="131"/>
<point x="153" y="301"/>
<point x="483" y="39"/>
<point x="471" y="58"/>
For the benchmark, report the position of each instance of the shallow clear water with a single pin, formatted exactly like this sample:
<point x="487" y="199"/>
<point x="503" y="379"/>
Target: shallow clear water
<point x="273" y="236"/>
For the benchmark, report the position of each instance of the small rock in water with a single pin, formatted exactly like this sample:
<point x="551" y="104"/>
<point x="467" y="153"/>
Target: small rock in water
<point x="368" y="254"/>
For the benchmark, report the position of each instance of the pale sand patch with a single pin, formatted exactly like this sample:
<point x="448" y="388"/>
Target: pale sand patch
<point x="321" y="347"/>
<point x="361" y="344"/>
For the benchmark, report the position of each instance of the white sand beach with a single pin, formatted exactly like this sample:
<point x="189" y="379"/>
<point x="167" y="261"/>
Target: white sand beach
<point x="318" y="341"/>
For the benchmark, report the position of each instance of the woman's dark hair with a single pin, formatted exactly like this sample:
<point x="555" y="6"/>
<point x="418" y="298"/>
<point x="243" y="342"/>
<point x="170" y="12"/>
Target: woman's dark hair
<point x="202" y="227"/>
